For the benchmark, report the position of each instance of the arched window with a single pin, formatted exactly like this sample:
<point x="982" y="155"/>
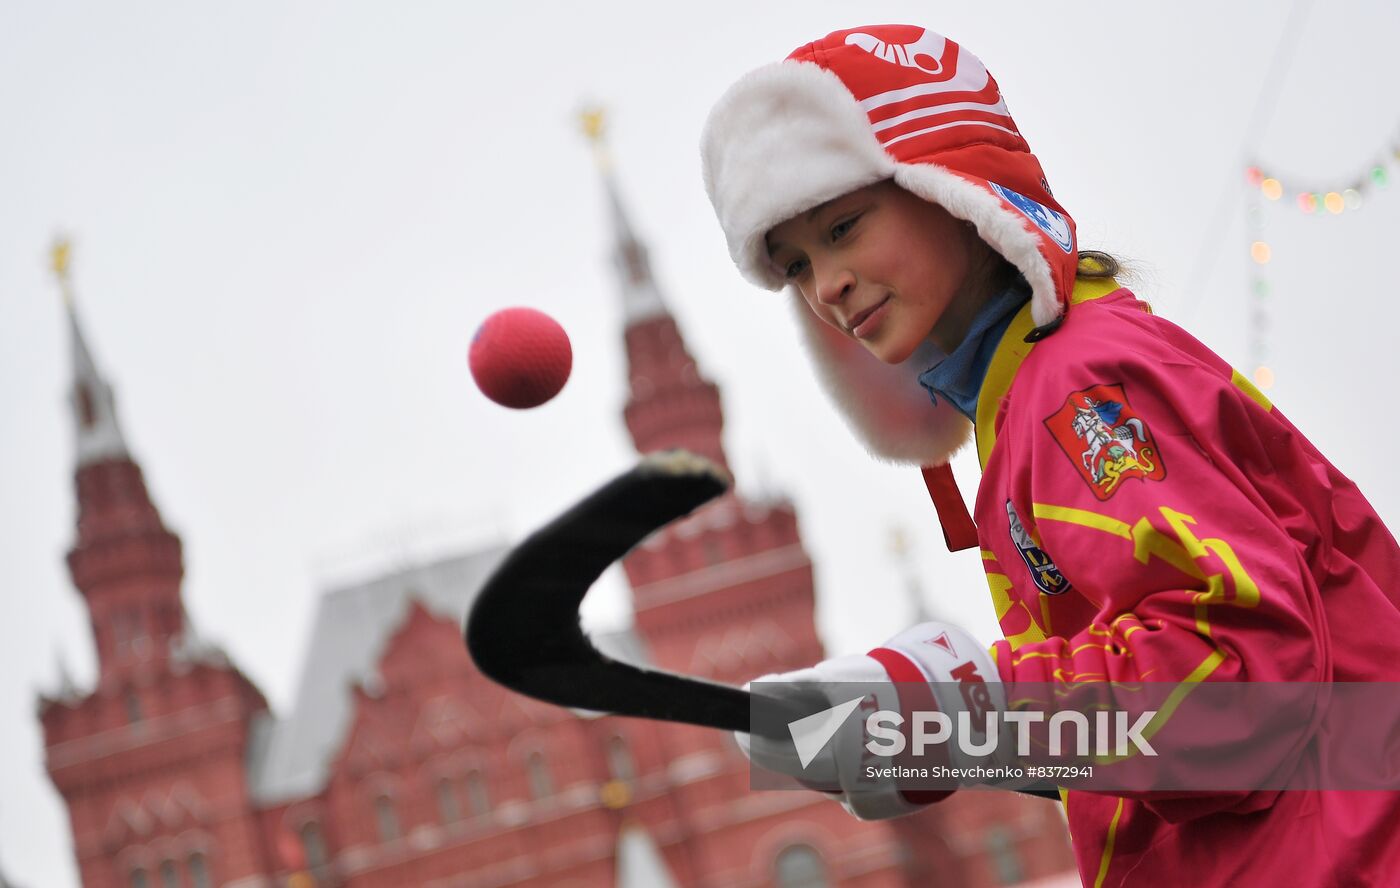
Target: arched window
<point x="477" y="796"/>
<point x="313" y="846"/>
<point x="620" y="759"/>
<point x="133" y="707"/>
<point x="447" y="801"/>
<point x="169" y="875"/>
<point x="541" y="786"/>
<point x="386" y="818"/>
<point x="199" y="871"/>
<point x="139" y="879"/>
<point x="1001" y="847"/>
<point x="800" y="866"/>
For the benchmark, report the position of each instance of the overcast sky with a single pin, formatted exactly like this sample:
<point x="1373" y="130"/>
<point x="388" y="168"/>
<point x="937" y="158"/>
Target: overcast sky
<point x="290" y="218"/>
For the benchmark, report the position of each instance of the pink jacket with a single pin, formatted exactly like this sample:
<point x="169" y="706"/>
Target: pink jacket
<point x="1145" y="513"/>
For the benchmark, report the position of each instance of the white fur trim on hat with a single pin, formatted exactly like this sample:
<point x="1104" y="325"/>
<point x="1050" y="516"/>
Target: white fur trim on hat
<point x="790" y="136"/>
<point x="785" y="138"/>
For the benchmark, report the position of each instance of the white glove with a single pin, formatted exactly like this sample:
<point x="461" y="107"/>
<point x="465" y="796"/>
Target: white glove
<point x="913" y="671"/>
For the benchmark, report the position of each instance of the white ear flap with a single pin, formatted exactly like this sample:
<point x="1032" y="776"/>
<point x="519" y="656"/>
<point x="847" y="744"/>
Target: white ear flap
<point x="784" y="138"/>
<point x="890" y="412"/>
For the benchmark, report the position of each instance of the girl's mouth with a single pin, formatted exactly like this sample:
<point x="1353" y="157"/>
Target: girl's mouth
<point x="865" y="324"/>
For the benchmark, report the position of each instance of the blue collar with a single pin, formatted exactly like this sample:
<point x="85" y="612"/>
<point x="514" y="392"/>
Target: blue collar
<point x="958" y="377"/>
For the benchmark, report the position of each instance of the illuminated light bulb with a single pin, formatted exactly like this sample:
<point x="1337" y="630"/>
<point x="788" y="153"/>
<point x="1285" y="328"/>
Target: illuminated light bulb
<point x="1261" y="288"/>
<point x="1378" y="175"/>
<point x="1334" y="203"/>
<point x="1263" y="377"/>
<point x="1260" y="252"/>
<point x="1254" y="175"/>
<point x="1272" y="188"/>
<point x="1353" y="198"/>
<point x="1307" y="202"/>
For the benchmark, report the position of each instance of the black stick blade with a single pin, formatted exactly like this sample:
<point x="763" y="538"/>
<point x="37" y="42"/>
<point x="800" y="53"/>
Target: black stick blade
<point x="523" y="631"/>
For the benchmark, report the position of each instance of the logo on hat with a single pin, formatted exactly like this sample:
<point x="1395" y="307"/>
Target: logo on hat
<point x="924" y="86"/>
<point x="928" y="47"/>
<point x="1046" y="219"/>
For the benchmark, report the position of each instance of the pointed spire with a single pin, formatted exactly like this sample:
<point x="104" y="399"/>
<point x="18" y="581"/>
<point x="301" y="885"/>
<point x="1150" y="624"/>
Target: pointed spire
<point x="123" y="545"/>
<point x="99" y="437"/>
<point x="640" y="297"/>
<point x="671" y="404"/>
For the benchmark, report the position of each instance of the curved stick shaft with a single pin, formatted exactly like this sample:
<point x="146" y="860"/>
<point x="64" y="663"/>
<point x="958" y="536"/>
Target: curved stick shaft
<point x="524" y="632"/>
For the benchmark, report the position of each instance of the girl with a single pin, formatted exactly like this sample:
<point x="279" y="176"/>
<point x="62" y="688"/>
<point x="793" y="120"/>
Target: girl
<point x="1144" y="511"/>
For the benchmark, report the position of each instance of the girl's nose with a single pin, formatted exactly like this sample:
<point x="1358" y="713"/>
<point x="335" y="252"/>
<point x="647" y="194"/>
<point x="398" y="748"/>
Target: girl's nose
<point x="833" y="283"/>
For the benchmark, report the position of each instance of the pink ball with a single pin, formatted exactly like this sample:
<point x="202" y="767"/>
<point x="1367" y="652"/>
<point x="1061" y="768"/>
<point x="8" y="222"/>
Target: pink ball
<point x="520" y="357"/>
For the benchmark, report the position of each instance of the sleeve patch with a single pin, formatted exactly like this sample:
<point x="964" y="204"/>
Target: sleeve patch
<point x="1105" y="439"/>
<point x="1044" y="573"/>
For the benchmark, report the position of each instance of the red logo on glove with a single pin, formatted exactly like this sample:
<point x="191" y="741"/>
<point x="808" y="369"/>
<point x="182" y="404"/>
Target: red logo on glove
<point x="977" y="697"/>
<point x="943" y="643"/>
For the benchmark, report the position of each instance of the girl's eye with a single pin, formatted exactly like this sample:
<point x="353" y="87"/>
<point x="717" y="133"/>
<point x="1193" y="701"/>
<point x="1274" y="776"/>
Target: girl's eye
<point x="843" y="228"/>
<point x="794" y="268"/>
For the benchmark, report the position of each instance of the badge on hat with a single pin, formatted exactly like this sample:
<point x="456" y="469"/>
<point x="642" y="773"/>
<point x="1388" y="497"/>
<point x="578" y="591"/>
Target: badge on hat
<point x="1046" y="219"/>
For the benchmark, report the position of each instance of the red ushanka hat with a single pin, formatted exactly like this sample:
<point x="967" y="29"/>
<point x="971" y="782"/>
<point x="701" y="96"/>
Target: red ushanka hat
<point x="857" y="107"/>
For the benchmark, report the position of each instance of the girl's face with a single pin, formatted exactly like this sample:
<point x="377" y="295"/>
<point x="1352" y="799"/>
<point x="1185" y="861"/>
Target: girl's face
<point x="884" y="267"/>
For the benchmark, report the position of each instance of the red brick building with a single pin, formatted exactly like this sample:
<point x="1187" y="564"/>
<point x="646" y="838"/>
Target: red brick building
<point x="402" y="766"/>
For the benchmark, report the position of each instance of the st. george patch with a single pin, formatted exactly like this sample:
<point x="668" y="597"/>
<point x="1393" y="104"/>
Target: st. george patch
<point x="1044" y="573"/>
<point x="1107" y="442"/>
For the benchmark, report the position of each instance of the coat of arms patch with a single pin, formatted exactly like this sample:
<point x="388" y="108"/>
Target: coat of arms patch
<point x="1105" y="439"/>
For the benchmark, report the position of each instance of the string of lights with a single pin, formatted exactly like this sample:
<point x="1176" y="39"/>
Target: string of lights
<point x="1311" y="198"/>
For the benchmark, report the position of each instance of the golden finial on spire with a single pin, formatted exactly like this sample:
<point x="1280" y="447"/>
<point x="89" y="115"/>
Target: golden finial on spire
<point x="593" y="119"/>
<point x="60" y="256"/>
